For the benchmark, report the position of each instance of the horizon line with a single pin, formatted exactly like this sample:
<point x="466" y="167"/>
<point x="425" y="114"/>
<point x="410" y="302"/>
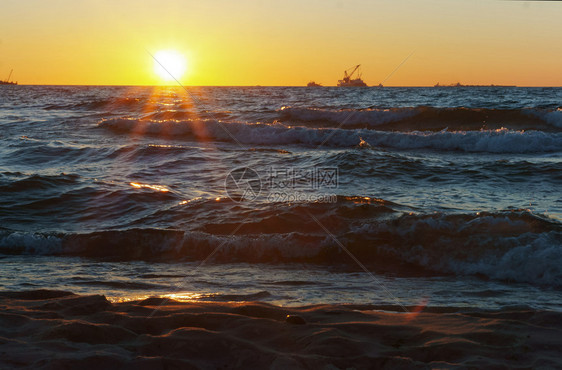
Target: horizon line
<point x="374" y="86"/>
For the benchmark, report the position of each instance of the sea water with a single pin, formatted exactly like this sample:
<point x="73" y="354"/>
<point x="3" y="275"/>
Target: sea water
<point x="444" y="196"/>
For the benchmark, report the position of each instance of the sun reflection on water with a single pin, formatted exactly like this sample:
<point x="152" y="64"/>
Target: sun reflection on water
<point x="183" y="296"/>
<point x="178" y="297"/>
<point x="138" y="185"/>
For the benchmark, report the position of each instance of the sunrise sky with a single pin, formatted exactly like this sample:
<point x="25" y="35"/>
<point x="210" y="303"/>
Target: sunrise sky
<point x="250" y="42"/>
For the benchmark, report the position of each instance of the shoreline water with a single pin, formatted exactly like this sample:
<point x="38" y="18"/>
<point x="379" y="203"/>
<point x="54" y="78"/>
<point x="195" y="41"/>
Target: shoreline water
<point x="287" y="285"/>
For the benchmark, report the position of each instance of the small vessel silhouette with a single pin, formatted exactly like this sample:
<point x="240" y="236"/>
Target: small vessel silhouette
<point x="7" y="81"/>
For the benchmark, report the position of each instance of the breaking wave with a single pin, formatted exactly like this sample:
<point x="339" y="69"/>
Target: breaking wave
<point x="107" y="104"/>
<point x="501" y="140"/>
<point x="509" y="245"/>
<point x="429" y="118"/>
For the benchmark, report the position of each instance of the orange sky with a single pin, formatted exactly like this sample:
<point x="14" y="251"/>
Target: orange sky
<point x="265" y="42"/>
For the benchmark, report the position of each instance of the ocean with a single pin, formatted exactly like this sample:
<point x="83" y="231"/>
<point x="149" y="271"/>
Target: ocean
<point x="391" y="197"/>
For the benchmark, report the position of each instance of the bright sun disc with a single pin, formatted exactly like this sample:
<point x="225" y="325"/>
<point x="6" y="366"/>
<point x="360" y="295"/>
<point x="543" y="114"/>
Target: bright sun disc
<point x="169" y="65"/>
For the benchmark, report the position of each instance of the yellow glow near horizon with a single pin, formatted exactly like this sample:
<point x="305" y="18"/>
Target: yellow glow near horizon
<point x="169" y="65"/>
<point x="252" y="42"/>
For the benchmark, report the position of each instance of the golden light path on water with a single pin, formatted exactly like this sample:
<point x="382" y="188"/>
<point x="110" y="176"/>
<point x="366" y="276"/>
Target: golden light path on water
<point x="178" y="297"/>
<point x="161" y="188"/>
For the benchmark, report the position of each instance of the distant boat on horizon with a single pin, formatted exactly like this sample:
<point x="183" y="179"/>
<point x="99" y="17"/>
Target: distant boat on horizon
<point x="7" y="81"/>
<point x="347" y="80"/>
<point x="313" y="84"/>
<point x="458" y="84"/>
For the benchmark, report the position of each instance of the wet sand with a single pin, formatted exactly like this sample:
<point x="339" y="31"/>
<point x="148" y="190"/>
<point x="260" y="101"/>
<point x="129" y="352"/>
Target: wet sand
<point x="46" y="329"/>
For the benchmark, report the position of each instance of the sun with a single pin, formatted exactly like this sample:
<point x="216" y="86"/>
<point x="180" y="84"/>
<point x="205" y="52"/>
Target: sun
<point x="169" y="65"/>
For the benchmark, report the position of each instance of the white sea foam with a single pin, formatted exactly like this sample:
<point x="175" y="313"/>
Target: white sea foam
<point x="496" y="246"/>
<point x="552" y="117"/>
<point x="30" y="243"/>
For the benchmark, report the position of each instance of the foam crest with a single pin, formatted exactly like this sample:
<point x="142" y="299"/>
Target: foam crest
<point x="494" y="141"/>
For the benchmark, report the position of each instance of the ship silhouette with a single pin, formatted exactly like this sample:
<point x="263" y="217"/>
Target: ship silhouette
<point x="347" y="80"/>
<point x="7" y="81"/>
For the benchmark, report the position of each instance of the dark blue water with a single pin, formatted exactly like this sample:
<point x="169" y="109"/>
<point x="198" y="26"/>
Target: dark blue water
<point x="281" y="194"/>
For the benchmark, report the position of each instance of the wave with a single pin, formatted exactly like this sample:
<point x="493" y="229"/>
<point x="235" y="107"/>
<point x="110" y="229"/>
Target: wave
<point x="128" y="285"/>
<point x="429" y="118"/>
<point x="236" y="297"/>
<point x="107" y="104"/>
<point x="23" y="183"/>
<point x="553" y="117"/>
<point x="185" y="113"/>
<point x="501" y="140"/>
<point x="508" y="245"/>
